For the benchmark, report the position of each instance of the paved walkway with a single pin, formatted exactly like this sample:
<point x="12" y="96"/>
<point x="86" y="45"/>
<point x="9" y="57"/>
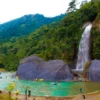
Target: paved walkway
<point x="93" y="96"/>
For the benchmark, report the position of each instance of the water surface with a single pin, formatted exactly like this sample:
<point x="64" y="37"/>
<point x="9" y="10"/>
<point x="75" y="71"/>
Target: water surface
<point x="48" y="88"/>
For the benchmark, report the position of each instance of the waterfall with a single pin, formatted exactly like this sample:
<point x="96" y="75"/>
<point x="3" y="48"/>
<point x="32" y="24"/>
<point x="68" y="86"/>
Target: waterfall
<point x="83" y="52"/>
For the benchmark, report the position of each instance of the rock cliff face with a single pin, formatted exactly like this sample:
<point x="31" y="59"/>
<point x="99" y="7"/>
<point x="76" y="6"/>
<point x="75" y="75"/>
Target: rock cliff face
<point x="94" y="70"/>
<point x="34" y="67"/>
<point x="96" y="25"/>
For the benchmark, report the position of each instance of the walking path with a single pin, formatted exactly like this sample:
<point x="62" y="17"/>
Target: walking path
<point x="92" y="96"/>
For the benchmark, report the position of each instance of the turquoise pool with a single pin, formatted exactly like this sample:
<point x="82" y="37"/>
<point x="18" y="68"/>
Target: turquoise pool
<point x="48" y="88"/>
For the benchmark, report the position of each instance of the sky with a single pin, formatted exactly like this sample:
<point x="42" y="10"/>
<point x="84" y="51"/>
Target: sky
<point x="11" y="9"/>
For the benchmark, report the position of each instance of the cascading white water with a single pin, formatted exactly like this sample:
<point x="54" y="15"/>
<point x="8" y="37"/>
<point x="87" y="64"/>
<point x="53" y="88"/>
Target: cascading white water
<point x="83" y="53"/>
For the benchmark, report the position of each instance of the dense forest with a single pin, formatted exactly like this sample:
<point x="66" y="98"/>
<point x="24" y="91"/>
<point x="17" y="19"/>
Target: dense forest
<point x="25" y="25"/>
<point x="58" y="40"/>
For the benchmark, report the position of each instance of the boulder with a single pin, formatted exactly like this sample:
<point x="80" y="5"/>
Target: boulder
<point x="33" y="67"/>
<point x="94" y="70"/>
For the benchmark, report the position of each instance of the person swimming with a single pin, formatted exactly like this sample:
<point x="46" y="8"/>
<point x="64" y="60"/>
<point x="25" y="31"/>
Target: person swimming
<point x="54" y="83"/>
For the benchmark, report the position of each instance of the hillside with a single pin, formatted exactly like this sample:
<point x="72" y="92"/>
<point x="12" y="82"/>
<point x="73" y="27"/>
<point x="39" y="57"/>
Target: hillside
<point x="25" y="25"/>
<point x="56" y="40"/>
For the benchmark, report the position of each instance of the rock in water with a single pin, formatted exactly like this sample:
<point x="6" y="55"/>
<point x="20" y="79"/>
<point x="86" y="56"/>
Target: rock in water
<point x="94" y="70"/>
<point x="33" y="67"/>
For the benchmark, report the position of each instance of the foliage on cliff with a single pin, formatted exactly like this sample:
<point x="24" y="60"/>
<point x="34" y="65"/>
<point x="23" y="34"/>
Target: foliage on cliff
<point x="58" y="40"/>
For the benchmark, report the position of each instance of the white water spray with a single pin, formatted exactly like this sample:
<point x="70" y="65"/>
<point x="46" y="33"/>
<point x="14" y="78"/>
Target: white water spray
<point x="83" y="53"/>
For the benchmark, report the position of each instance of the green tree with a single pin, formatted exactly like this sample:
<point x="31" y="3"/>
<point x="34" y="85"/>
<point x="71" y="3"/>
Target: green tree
<point x="83" y="2"/>
<point x="72" y="6"/>
<point x="10" y="88"/>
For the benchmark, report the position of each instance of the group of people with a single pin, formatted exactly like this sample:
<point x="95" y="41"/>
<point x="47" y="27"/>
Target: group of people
<point x="40" y="80"/>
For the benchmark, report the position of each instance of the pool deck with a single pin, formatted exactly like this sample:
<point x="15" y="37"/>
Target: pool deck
<point x="89" y="96"/>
